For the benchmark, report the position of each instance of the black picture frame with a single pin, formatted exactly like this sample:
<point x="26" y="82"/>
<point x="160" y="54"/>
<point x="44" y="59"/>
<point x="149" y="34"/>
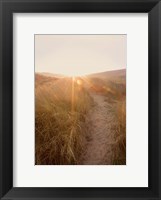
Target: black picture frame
<point x="7" y="8"/>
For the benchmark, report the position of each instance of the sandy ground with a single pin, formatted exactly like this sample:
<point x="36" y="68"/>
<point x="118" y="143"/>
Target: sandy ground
<point x="99" y="139"/>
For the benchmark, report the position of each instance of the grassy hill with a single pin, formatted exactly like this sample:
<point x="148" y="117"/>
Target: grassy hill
<point x="109" y="75"/>
<point x="61" y="107"/>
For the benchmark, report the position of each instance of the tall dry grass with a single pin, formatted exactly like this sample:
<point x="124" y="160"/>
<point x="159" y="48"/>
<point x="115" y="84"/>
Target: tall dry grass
<point x="59" y="118"/>
<point x="116" y="94"/>
<point x="119" y="148"/>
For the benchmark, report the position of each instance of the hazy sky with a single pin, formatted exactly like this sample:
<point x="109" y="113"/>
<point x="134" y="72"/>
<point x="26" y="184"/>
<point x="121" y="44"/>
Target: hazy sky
<point x="79" y="54"/>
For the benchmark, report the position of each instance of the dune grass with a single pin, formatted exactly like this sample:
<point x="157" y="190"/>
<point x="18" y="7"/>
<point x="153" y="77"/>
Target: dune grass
<point x="61" y="106"/>
<point x="119" y="148"/>
<point x="59" y="118"/>
<point x="117" y="97"/>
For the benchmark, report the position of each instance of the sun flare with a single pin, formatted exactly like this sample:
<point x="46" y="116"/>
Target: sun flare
<point x="73" y="73"/>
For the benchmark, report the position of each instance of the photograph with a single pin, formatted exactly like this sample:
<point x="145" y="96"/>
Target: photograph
<point x="80" y="99"/>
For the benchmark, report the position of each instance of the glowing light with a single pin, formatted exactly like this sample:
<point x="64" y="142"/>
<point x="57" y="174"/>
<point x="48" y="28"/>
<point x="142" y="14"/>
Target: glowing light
<point x="79" y="82"/>
<point x="73" y="73"/>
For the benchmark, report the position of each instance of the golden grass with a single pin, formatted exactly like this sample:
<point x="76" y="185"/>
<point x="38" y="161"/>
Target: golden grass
<point x="117" y="97"/>
<point x="59" y="124"/>
<point x="119" y="148"/>
<point x="61" y="107"/>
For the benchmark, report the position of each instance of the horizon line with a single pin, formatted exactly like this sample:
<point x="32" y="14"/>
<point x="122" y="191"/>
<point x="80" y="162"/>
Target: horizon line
<point x="81" y="75"/>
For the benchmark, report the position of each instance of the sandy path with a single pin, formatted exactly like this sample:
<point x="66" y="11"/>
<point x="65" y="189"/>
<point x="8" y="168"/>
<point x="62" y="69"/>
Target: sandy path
<point x="98" y="147"/>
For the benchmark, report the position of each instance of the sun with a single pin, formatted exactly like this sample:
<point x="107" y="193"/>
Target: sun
<point x="73" y="72"/>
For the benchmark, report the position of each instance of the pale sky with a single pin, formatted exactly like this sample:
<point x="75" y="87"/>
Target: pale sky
<point x="79" y="54"/>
